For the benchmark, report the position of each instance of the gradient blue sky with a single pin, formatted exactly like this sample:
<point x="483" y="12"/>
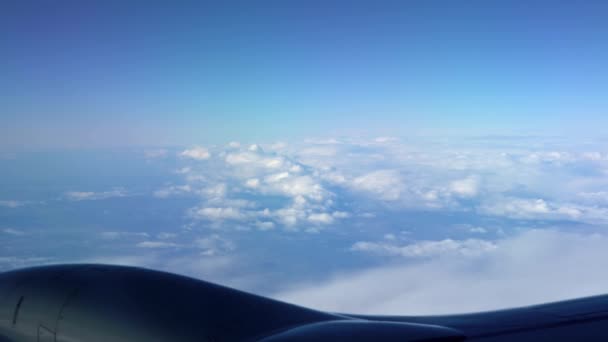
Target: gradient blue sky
<point x="104" y="73"/>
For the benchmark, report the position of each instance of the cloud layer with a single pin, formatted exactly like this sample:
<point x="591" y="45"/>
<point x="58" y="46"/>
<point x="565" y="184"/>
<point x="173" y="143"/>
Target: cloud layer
<point x="382" y="225"/>
<point x="534" y="267"/>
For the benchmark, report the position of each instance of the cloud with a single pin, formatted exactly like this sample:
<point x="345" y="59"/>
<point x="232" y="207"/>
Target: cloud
<point x="534" y="267"/>
<point x="113" y="235"/>
<point x="216" y="191"/>
<point x="214" y="268"/>
<point x="467" y="187"/>
<point x="12" y="262"/>
<point x="478" y="230"/>
<point x="321" y="218"/>
<point x="218" y="213"/>
<point x="597" y="197"/>
<point x="80" y="195"/>
<point x="361" y="194"/>
<point x="211" y="268"/>
<point x="385" y="140"/>
<point x="255" y="160"/>
<point x="326" y="218"/>
<point x="139" y="260"/>
<point x="196" y="153"/>
<point x="427" y="249"/>
<point x="183" y="170"/>
<point x="294" y="186"/>
<point x="92" y="196"/>
<point x="214" y="245"/>
<point x="156" y="244"/>
<point x="11" y="203"/>
<point x="166" y="236"/>
<point x="386" y="184"/>
<point x="265" y="225"/>
<point x="540" y="209"/>
<point x="522" y="208"/>
<point x="290" y="216"/>
<point x="507" y="179"/>
<point x="340" y="214"/>
<point x="156" y="153"/>
<point x="12" y="231"/>
<point x="173" y="190"/>
<point x="252" y="183"/>
<point x="250" y="176"/>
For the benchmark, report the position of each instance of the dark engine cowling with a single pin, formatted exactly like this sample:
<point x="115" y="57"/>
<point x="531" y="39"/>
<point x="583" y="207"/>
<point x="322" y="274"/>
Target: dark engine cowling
<point x="70" y="303"/>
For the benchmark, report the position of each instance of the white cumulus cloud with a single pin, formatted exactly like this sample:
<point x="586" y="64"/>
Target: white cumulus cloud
<point x="197" y="153"/>
<point x="218" y="213"/>
<point x="386" y="184"/>
<point x="467" y="187"/>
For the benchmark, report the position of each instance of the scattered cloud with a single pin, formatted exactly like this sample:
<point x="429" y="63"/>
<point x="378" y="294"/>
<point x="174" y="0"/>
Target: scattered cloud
<point x="427" y="249"/>
<point x="12" y="231"/>
<point x="113" y="235"/>
<point x="321" y="218"/>
<point x="92" y="196"/>
<point x="249" y="176"/>
<point x="303" y="184"/>
<point x="252" y="183"/>
<point x="156" y="244"/>
<point x="166" y="236"/>
<point x="539" y="209"/>
<point x="385" y="184"/>
<point x="467" y="187"/>
<point x="265" y="225"/>
<point x="196" y="153"/>
<point x="11" y="203"/>
<point x="12" y="262"/>
<point x="214" y="245"/>
<point x="172" y="190"/>
<point x="478" y="230"/>
<point x="156" y="153"/>
<point x="218" y="213"/>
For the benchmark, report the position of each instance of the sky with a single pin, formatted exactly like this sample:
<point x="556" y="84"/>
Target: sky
<point x="381" y="157"/>
<point x="117" y="73"/>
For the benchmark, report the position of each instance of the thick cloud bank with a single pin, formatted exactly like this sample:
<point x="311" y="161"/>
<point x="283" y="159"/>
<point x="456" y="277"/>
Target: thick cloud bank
<point x="534" y="267"/>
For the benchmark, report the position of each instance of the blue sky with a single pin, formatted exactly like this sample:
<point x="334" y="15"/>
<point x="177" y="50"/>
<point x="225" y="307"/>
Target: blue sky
<point x="113" y="73"/>
<point x="374" y="157"/>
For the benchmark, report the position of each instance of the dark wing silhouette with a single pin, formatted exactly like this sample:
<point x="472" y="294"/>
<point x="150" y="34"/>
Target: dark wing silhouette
<point x="68" y="303"/>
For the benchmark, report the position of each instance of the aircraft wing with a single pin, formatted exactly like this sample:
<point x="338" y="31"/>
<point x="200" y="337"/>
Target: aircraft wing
<point x="69" y="303"/>
<point x="584" y="319"/>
